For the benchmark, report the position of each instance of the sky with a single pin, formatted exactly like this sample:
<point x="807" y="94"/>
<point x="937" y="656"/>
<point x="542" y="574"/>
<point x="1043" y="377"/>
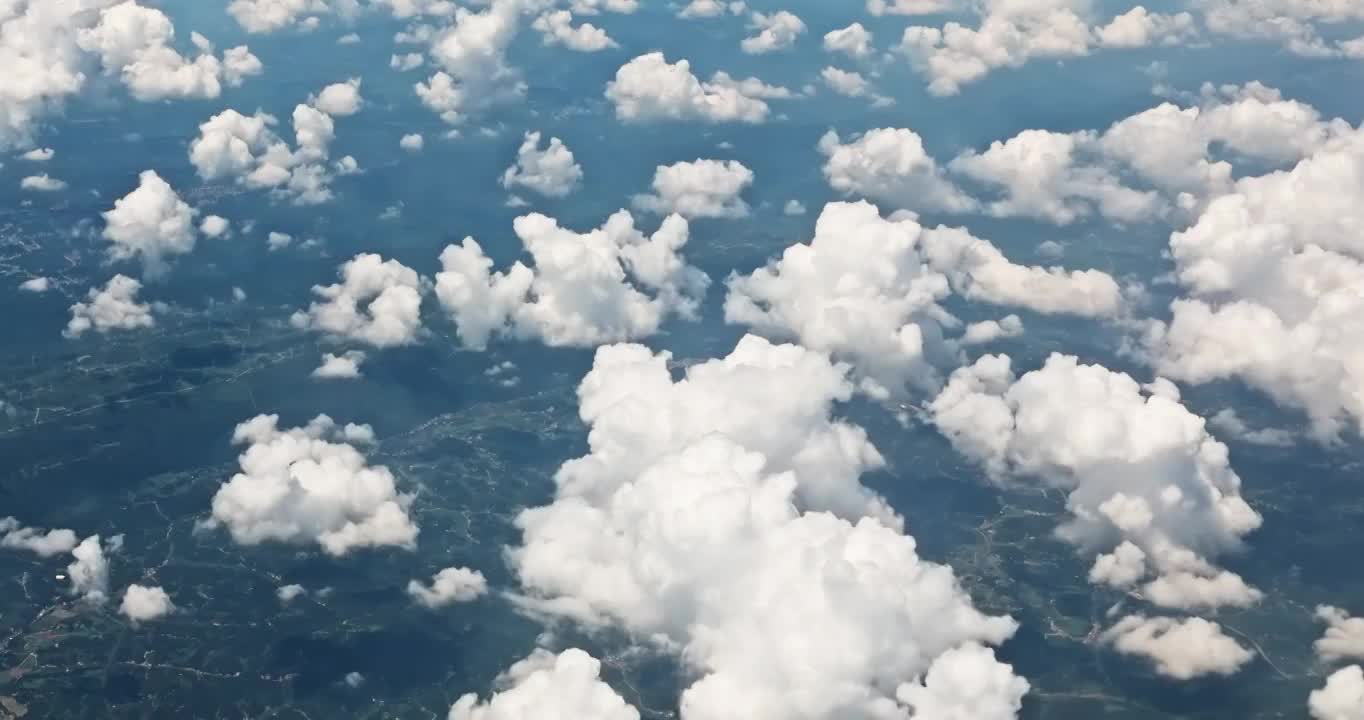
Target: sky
<point x="764" y="342"/>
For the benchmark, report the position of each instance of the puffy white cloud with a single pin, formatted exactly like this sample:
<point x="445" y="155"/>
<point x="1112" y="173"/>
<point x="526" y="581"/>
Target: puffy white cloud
<point x="551" y="172"/>
<point x="853" y="41"/>
<point x="1294" y="23"/>
<point x="1181" y="649"/>
<point x="711" y="8"/>
<point x="214" y="226"/>
<point x="42" y="183"/>
<point x="289" y="593"/>
<point x="113" y="307"/>
<point x="1139" y="27"/>
<point x="987" y="331"/>
<point x="406" y="61"/>
<point x="910" y="7"/>
<point x="339" y="99"/>
<point x="151" y="223"/>
<point x="39" y="284"/>
<point x="412" y="142"/>
<point x="556" y="28"/>
<point x="377" y="302"/>
<point x="698" y="189"/>
<point x="43" y="544"/>
<point x="650" y="88"/>
<point x="141" y="603"/>
<point x="39" y="155"/>
<point x="605" y="285"/>
<point x="278" y="241"/>
<point x="89" y="572"/>
<point x="845" y="82"/>
<point x="1138" y="467"/>
<point x="698" y="519"/>
<point x="340" y="367"/>
<point x="1342" y="698"/>
<point x="135" y="42"/>
<point x="451" y="585"/>
<point x="42" y="62"/>
<point x="471" y="51"/>
<point x="890" y="165"/>
<point x="265" y="16"/>
<point x="1227" y="422"/>
<point x="776" y="31"/>
<point x="310" y="485"/>
<point x="544" y="685"/>
<point x="1344" y="637"/>
<point x="967" y="683"/>
<point x="868" y="290"/>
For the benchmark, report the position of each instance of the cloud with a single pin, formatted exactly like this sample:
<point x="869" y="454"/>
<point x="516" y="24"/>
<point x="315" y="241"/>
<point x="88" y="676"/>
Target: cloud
<point x="43" y="544"/>
<point x="266" y="16"/>
<point x="214" y="226"/>
<point x="889" y="165"/>
<point x="551" y="172"/>
<point x="1230" y="424"/>
<point x="310" y="485"/>
<point x="594" y="7"/>
<point x="89" y="572"/>
<point x="412" y="142"/>
<point x="340" y="367"/>
<point x="845" y="82"/>
<point x="1292" y="23"/>
<point x="1147" y="485"/>
<point x="698" y="189"/>
<point x="701" y="518"/>
<point x="987" y="331"/>
<point x="43" y="63"/>
<point x="853" y="41"/>
<point x="556" y="28"/>
<point x="377" y="302"/>
<point x="868" y="290"/>
<point x="151" y="223"/>
<point x="289" y="593"/>
<point x="966" y="682"/>
<point x="711" y="8"/>
<point x="141" y="604"/>
<point x="115" y="307"/>
<point x="581" y="289"/>
<point x="39" y="155"/>
<point x="1344" y="637"/>
<point x="471" y="52"/>
<point x="339" y="99"/>
<point x="1342" y="698"/>
<point x="36" y="285"/>
<point x="451" y="585"/>
<point x="1181" y="649"/>
<point x="545" y="685"/>
<point x="42" y="183"/>
<point x="650" y="88"/>
<point x="910" y="7"/>
<point x="777" y="31"/>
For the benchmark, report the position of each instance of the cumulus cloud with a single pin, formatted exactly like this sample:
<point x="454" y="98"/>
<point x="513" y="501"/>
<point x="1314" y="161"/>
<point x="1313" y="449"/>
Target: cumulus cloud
<point x="551" y="172"/>
<point x="113" y="307"/>
<point x="377" y="302"/>
<point x="89" y="572"/>
<point x="987" y="331"/>
<point x="34" y="540"/>
<point x="141" y="603"/>
<point x="39" y="284"/>
<point x="604" y="285"/>
<point x="1342" y="698"/>
<point x="471" y="53"/>
<point x="266" y="16"/>
<point x="339" y="99"/>
<point x="556" y="28"/>
<point x="775" y="31"/>
<point x="214" y="226"/>
<point x="966" y="682"/>
<point x="39" y="155"/>
<point x="42" y="183"/>
<point x="42" y="62"/>
<point x="310" y="486"/>
<point x="1149" y="491"/>
<point x="1344" y="637"/>
<point x="340" y="367"/>
<point x="868" y="289"/>
<point x="150" y="224"/>
<point x="1180" y="649"/>
<point x="650" y="88"/>
<point x="698" y="189"/>
<point x="853" y="41"/>
<point x="289" y="593"/>
<point x="910" y="7"/>
<point x="700" y="518"/>
<point x="451" y="585"/>
<point x="412" y="142"/>
<point x="545" y="685"/>
<point x="711" y="8"/>
<point x="889" y="165"/>
<point x="1293" y="23"/>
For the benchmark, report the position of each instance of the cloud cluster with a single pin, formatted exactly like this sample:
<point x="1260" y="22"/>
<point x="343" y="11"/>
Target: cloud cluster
<point x="310" y="485"/>
<point x="449" y="586"/>
<point x="1180" y="649"/>
<point x="605" y="285"/>
<point x="552" y="172"/>
<point x="377" y="302"/>
<point x="471" y="53"/>
<point x="853" y="41"/>
<point x="650" y="88"/>
<point x="556" y="28"/>
<point x="1293" y="23"/>
<point x="151" y="223"/>
<point x="701" y="518"/>
<point x="868" y="289"/>
<point x="113" y="307"/>
<point x="545" y="685"/>
<point x="43" y="544"/>
<point x="698" y="189"/>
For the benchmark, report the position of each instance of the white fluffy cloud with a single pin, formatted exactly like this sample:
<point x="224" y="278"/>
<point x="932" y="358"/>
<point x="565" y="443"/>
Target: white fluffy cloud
<point x="775" y="31"/>
<point x="1342" y="698"/>
<point x="868" y="290"/>
<point x="609" y="284"/>
<point x="910" y="7"/>
<point x="113" y="307"/>
<point x="471" y="52"/>
<point x="150" y="224"/>
<point x="1344" y="636"/>
<point x="377" y="302"/>
<point x="889" y="165"/>
<point x="89" y="572"/>
<point x="339" y="99"/>
<point x="265" y="16"/>
<point x="712" y="8"/>
<point x="345" y="366"/>
<point x="698" y="189"/>
<point x="141" y="603"/>
<point x="650" y="88"/>
<point x="42" y="183"/>
<point x="545" y="685"/>
<point x="551" y="172"/>
<point x="310" y="485"/>
<point x="853" y="41"/>
<point x="556" y="28"/>
<point x="214" y="226"/>
<point x="451" y="585"/>
<point x="966" y="683"/>
<point x="1294" y="23"/>
<point x="698" y="518"/>
<point x="43" y="544"/>
<point x="1149" y="490"/>
<point x="1181" y="649"/>
<point x="39" y="155"/>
